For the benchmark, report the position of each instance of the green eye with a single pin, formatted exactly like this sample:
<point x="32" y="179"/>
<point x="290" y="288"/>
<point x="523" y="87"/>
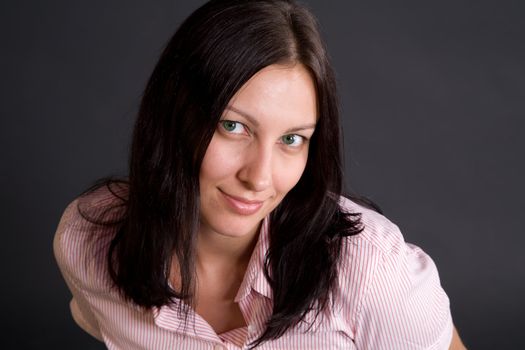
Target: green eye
<point x="292" y="140"/>
<point x="228" y="125"/>
<point x="289" y="139"/>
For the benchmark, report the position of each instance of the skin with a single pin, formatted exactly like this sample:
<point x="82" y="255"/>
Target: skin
<point x="249" y="158"/>
<point x="456" y="343"/>
<point x="258" y="152"/>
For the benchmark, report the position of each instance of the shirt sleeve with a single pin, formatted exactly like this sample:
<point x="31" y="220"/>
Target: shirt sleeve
<point x="83" y="316"/>
<point x="66" y="249"/>
<point x="405" y="306"/>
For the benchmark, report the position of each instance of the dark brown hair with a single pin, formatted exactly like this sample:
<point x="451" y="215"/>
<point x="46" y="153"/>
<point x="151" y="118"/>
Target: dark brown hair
<point x="213" y="53"/>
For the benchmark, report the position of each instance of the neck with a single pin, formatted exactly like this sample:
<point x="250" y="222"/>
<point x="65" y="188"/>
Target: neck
<point x="222" y="262"/>
<point x="214" y="249"/>
<point x="220" y="251"/>
<point x="220" y="258"/>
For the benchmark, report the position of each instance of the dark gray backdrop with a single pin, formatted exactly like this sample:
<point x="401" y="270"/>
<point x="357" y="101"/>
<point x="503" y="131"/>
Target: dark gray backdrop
<point x="433" y="107"/>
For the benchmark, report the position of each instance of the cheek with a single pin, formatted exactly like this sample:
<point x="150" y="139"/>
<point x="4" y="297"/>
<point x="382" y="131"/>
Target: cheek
<point x="289" y="173"/>
<point x="220" y="161"/>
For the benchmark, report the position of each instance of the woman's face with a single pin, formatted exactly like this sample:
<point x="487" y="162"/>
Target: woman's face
<point x="259" y="150"/>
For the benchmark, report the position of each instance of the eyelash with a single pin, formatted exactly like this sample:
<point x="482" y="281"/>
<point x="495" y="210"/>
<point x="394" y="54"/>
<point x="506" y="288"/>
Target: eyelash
<point x="224" y="121"/>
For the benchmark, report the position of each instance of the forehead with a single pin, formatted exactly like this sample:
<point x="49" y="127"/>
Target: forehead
<point x="284" y="95"/>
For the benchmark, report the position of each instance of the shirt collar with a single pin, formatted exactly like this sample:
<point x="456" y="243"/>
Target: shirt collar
<point x="168" y="317"/>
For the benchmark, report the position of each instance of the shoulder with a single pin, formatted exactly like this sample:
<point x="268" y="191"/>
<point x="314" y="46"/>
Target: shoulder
<point x="81" y="240"/>
<point x="390" y="289"/>
<point x="364" y="254"/>
<point x="378" y="231"/>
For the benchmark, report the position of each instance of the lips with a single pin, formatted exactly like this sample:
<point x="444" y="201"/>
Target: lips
<point x="242" y="206"/>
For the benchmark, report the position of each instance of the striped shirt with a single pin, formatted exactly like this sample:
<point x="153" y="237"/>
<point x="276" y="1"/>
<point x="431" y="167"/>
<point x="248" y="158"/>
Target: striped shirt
<point x="388" y="295"/>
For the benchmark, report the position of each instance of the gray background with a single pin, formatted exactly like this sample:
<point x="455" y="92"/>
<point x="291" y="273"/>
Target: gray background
<point x="433" y="106"/>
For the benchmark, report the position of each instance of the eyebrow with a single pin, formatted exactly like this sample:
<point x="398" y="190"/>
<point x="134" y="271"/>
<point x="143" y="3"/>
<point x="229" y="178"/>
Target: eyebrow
<point x="256" y="123"/>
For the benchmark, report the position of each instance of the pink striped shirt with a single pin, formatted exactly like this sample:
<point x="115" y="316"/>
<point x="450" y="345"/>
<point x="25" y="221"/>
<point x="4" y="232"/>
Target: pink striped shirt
<point x="388" y="297"/>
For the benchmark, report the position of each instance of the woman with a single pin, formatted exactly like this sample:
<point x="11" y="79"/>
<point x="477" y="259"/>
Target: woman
<point x="231" y="231"/>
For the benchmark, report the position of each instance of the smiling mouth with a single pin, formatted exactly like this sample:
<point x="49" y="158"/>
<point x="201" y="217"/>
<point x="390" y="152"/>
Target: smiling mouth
<point x="242" y="206"/>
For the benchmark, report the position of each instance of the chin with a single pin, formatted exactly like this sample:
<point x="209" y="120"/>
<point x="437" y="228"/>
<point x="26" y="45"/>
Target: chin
<point x="237" y="229"/>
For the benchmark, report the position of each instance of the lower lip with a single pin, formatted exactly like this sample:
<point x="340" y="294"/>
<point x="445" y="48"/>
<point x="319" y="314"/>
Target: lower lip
<point x="242" y="208"/>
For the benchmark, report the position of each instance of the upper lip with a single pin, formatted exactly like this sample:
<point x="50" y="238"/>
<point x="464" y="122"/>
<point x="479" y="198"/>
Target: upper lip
<point x="244" y="200"/>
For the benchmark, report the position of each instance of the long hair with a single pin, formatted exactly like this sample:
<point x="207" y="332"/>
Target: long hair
<point x="213" y="53"/>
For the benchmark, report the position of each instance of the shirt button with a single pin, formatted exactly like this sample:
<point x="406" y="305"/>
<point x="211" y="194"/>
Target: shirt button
<point x="251" y="329"/>
<point x="219" y="347"/>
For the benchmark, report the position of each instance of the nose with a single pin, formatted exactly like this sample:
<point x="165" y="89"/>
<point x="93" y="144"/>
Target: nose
<point x="256" y="170"/>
